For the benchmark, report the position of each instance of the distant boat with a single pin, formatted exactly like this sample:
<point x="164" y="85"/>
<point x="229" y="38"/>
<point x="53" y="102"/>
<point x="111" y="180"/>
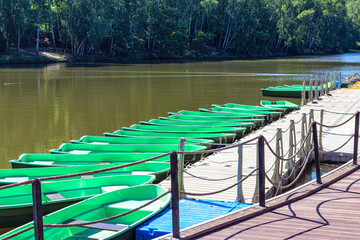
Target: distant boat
<point x="99" y="207"/>
<point x="16" y="204"/>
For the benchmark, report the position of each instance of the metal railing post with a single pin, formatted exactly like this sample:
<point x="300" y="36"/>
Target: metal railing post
<point x="175" y="195"/>
<point x="37" y="210"/>
<point x="356" y="138"/>
<point x="316" y="151"/>
<point x="240" y="194"/>
<point x="181" y="165"/>
<point x="261" y="175"/>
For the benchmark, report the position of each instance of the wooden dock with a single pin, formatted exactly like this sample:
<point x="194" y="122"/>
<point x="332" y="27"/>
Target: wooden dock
<point x="312" y="211"/>
<point x="220" y="170"/>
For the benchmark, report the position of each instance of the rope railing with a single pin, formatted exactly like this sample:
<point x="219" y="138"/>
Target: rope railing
<point x="336" y="149"/>
<point x="262" y="174"/>
<point x="222" y="190"/>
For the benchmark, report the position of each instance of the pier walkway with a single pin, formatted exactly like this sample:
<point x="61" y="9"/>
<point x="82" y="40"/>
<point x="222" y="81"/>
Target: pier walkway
<point x="220" y="170"/>
<point x="331" y="213"/>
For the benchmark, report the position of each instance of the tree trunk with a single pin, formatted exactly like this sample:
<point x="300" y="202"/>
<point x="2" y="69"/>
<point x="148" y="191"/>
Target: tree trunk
<point x="111" y="45"/>
<point x="7" y="42"/>
<point x="58" y="24"/>
<point x="38" y="33"/>
<point x="51" y="25"/>
<point x="18" y="43"/>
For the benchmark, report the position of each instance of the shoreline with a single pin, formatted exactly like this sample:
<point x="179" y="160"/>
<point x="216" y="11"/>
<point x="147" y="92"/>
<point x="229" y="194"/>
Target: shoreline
<point x="45" y="59"/>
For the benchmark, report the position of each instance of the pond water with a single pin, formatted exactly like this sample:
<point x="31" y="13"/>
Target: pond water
<point x="43" y="105"/>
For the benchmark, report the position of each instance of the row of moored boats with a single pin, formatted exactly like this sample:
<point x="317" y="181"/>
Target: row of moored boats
<point x="96" y="196"/>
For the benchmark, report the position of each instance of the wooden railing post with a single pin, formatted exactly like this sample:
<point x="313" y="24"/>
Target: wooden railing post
<point x="316" y="153"/>
<point x="356" y="138"/>
<point x="37" y="210"/>
<point x="175" y="195"/>
<point x="240" y="194"/>
<point x="261" y="175"/>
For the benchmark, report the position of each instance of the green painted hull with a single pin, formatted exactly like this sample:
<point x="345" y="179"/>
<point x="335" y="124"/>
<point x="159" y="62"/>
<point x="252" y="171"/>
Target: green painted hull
<point x="117" y="140"/>
<point x="217" y="137"/>
<point x="162" y="122"/>
<point x="16" y="203"/>
<point x="249" y="107"/>
<point x="99" y="207"/>
<point x="9" y="176"/>
<point x="68" y="148"/>
<point x="290" y="91"/>
<point x="62" y="160"/>
<point x="184" y="129"/>
<point x="218" y="115"/>
<point x="289" y="106"/>
<point x="258" y="122"/>
<point x="270" y="115"/>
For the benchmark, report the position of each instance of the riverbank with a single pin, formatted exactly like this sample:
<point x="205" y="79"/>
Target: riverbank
<point x="28" y="56"/>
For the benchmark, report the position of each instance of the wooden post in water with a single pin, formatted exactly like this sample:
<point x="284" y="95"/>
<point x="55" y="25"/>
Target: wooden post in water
<point x="261" y="166"/>
<point x="326" y="84"/>
<point x="181" y="166"/>
<point x="292" y="144"/>
<point x="303" y="94"/>
<point x="310" y="91"/>
<point x="356" y="138"/>
<point x="279" y="151"/>
<point x="175" y="195"/>
<point x="316" y="152"/>
<point x="240" y="194"/>
<point x="37" y="210"/>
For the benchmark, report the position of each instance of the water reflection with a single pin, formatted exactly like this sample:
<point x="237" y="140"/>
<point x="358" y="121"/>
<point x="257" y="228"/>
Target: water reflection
<point x="42" y="105"/>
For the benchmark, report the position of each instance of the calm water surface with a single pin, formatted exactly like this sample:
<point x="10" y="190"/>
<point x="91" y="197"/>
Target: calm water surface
<point x="41" y="106"/>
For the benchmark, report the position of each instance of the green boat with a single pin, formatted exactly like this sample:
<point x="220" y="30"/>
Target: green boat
<point x="249" y="107"/>
<point x="62" y="160"/>
<point x="290" y="91"/>
<point x="99" y="207"/>
<point x="9" y="176"/>
<point x="162" y="122"/>
<point x="270" y="115"/>
<point x="289" y="106"/>
<point x="217" y="137"/>
<point x="16" y="204"/>
<point x="68" y="148"/>
<point x="218" y="115"/>
<point x="258" y="122"/>
<point x="194" y="129"/>
<point x="117" y="140"/>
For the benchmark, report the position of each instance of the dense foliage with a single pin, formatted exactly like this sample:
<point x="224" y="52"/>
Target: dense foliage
<point x="171" y="28"/>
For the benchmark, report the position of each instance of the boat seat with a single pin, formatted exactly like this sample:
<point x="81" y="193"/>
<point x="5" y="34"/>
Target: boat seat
<point x="14" y="179"/>
<point x="104" y="163"/>
<point x="87" y="176"/>
<point x="43" y="162"/>
<point x="103" y="143"/>
<point x="54" y="196"/>
<point x="113" y="188"/>
<point x="141" y="172"/>
<point x="80" y="152"/>
<point x="103" y="226"/>
<point x="131" y="204"/>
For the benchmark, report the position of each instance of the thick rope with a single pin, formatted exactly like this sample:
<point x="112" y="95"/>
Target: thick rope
<point x="106" y="219"/>
<point x="295" y="154"/>
<point x="220" y="191"/>
<point x="295" y="180"/>
<point x="334" y="112"/>
<point x="18" y="233"/>
<point x="335" y="126"/>
<point x="338" y="147"/>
